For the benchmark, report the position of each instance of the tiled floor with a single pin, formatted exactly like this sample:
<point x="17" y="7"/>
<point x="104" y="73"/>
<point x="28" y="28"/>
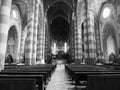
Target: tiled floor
<point x="60" y="80"/>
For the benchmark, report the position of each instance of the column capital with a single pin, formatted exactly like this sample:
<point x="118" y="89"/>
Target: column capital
<point x="30" y="5"/>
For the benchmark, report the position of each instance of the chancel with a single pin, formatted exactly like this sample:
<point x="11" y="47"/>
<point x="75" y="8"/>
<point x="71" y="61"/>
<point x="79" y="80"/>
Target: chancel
<point x="59" y="44"/>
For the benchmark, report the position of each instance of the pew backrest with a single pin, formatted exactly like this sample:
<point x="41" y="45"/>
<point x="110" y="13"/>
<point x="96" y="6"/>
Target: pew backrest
<point x="17" y="84"/>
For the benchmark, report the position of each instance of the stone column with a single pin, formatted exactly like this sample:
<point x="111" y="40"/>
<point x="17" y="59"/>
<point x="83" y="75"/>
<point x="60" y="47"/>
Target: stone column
<point x="29" y="41"/>
<point x="40" y="31"/>
<point x="36" y="15"/>
<point x="23" y="37"/>
<point x="98" y="42"/>
<point x="73" y="47"/>
<point x="71" y="40"/>
<point x="5" y="9"/>
<point x="75" y="40"/>
<point x="91" y="38"/>
<point x="80" y="16"/>
<point x="86" y="53"/>
<point x="44" y="38"/>
<point x="40" y="55"/>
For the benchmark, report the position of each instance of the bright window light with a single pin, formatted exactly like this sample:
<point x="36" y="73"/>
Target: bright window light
<point x="14" y="13"/>
<point x="106" y="12"/>
<point x="65" y="47"/>
<point x="54" y="48"/>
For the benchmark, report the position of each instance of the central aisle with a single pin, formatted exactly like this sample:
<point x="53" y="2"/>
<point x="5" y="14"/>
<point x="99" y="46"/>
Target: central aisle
<point x="60" y="80"/>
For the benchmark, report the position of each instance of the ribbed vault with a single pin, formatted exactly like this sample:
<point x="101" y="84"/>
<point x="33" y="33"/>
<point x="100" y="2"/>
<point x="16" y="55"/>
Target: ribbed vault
<point x="59" y="15"/>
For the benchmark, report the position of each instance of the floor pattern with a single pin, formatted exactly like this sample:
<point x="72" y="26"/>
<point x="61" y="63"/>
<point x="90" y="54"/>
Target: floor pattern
<point x="60" y="80"/>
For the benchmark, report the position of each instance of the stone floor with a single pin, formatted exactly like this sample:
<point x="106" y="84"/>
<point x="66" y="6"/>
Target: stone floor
<point x="60" y="80"/>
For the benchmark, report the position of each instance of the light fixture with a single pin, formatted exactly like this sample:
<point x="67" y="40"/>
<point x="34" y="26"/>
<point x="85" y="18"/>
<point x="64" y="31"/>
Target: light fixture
<point x="106" y="12"/>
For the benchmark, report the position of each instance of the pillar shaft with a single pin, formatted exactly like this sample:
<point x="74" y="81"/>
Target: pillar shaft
<point x="29" y="41"/>
<point x="72" y="44"/>
<point x="86" y="53"/>
<point x="98" y="43"/>
<point x="22" y="45"/>
<point x="73" y="47"/>
<point x="40" y="34"/>
<point x="40" y="31"/>
<point x="80" y="20"/>
<point x="91" y="38"/>
<point x="76" y="42"/>
<point x="4" y="27"/>
<point x="46" y="42"/>
<point x="36" y="14"/>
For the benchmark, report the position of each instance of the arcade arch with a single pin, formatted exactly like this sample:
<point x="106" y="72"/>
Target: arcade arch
<point x="109" y="41"/>
<point x="12" y="43"/>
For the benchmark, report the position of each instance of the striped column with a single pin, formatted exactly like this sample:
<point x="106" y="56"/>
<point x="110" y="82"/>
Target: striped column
<point x="70" y="48"/>
<point x="73" y="47"/>
<point x="4" y="27"/>
<point x="46" y="48"/>
<point x="40" y="34"/>
<point x="86" y="53"/>
<point x="23" y="37"/>
<point x="91" y="38"/>
<point x="44" y="37"/>
<point x="76" y="40"/>
<point x="29" y="47"/>
<point x="36" y="14"/>
<point x="79" y="45"/>
<point x="79" y="30"/>
<point x="98" y="44"/>
<point x="72" y="44"/>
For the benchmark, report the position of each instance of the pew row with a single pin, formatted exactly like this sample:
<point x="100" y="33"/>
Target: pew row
<point x="103" y="82"/>
<point x="80" y="72"/>
<point x="21" y="82"/>
<point x="36" y="70"/>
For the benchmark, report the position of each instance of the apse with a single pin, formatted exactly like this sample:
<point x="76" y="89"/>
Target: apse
<point x="59" y="29"/>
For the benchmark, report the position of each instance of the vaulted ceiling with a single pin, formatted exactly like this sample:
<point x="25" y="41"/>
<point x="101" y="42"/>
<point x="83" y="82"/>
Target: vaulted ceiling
<point x="55" y="8"/>
<point x="59" y="13"/>
<point x="49" y="3"/>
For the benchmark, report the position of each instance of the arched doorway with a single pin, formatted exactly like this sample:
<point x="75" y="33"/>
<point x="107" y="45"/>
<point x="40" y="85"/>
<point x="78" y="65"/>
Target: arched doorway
<point x="12" y="44"/>
<point x="59" y="17"/>
<point x="109" y="41"/>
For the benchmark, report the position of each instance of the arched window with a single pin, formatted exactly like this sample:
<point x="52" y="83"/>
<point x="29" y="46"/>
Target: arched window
<point x="15" y="13"/>
<point x="106" y="12"/>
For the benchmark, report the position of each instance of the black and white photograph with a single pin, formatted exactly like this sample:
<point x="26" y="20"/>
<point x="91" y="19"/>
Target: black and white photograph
<point x="59" y="44"/>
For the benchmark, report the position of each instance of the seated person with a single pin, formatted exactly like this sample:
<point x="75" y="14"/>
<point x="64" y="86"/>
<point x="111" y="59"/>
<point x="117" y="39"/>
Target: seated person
<point x="112" y="58"/>
<point x="9" y="59"/>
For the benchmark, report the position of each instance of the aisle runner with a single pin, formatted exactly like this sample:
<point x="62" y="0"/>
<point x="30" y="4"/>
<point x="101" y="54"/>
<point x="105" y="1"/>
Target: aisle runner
<point x="60" y="80"/>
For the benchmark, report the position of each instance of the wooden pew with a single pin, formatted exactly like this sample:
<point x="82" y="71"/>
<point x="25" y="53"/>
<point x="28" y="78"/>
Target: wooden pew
<point x="96" y="82"/>
<point x="43" y="69"/>
<point x="112" y="82"/>
<point x="17" y="84"/>
<point x="80" y="72"/>
<point x="103" y="82"/>
<point x="45" y="76"/>
<point x="35" y="80"/>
